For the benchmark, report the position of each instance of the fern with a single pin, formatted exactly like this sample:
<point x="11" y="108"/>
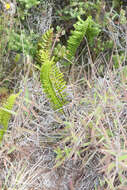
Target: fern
<point x="45" y="44"/>
<point x="51" y="78"/>
<point x="82" y="28"/>
<point x="5" y="114"/>
<point x="52" y="82"/>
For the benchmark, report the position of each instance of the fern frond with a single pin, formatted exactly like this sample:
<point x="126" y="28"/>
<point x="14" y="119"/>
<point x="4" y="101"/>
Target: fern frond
<point x="81" y="28"/>
<point x="52" y="82"/>
<point x="45" y="43"/>
<point x="6" y="115"/>
<point x="76" y="37"/>
<point x="51" y="78"/>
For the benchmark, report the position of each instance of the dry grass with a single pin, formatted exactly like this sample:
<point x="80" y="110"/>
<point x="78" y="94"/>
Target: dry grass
<point x="46" y="150"/>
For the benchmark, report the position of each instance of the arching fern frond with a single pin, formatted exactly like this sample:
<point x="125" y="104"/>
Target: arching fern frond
<point x="52" y="82"/>
<point x="5" y="114"/>
<point x="82" y="28"/>
<point x="76" y="37"/>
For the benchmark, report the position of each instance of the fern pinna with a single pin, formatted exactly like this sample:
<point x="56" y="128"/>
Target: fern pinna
<point x="51" y="78"/>
<point x="5" y="114"/>
<point x="82" y="28"/>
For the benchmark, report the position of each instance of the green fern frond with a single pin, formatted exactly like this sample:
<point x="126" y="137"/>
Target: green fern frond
<point x="51" y="78"/>
<point x="81" y="29"/>
<point x="52" y="82"/>
<point x="6" y="115"/>
<point x="76" y="37"/>
<point x="45" y="44"/>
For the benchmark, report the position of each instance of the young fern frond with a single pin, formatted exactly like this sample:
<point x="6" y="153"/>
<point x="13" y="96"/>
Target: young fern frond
<point x="45" y="44"/>
<point x="51" y="78"/>
<point x="52" y="82"/>
<point x="5" y="115"/>
<point x="82" y="28"/>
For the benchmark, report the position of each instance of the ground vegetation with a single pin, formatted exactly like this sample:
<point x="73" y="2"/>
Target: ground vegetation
<point x="63" y="95"/>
